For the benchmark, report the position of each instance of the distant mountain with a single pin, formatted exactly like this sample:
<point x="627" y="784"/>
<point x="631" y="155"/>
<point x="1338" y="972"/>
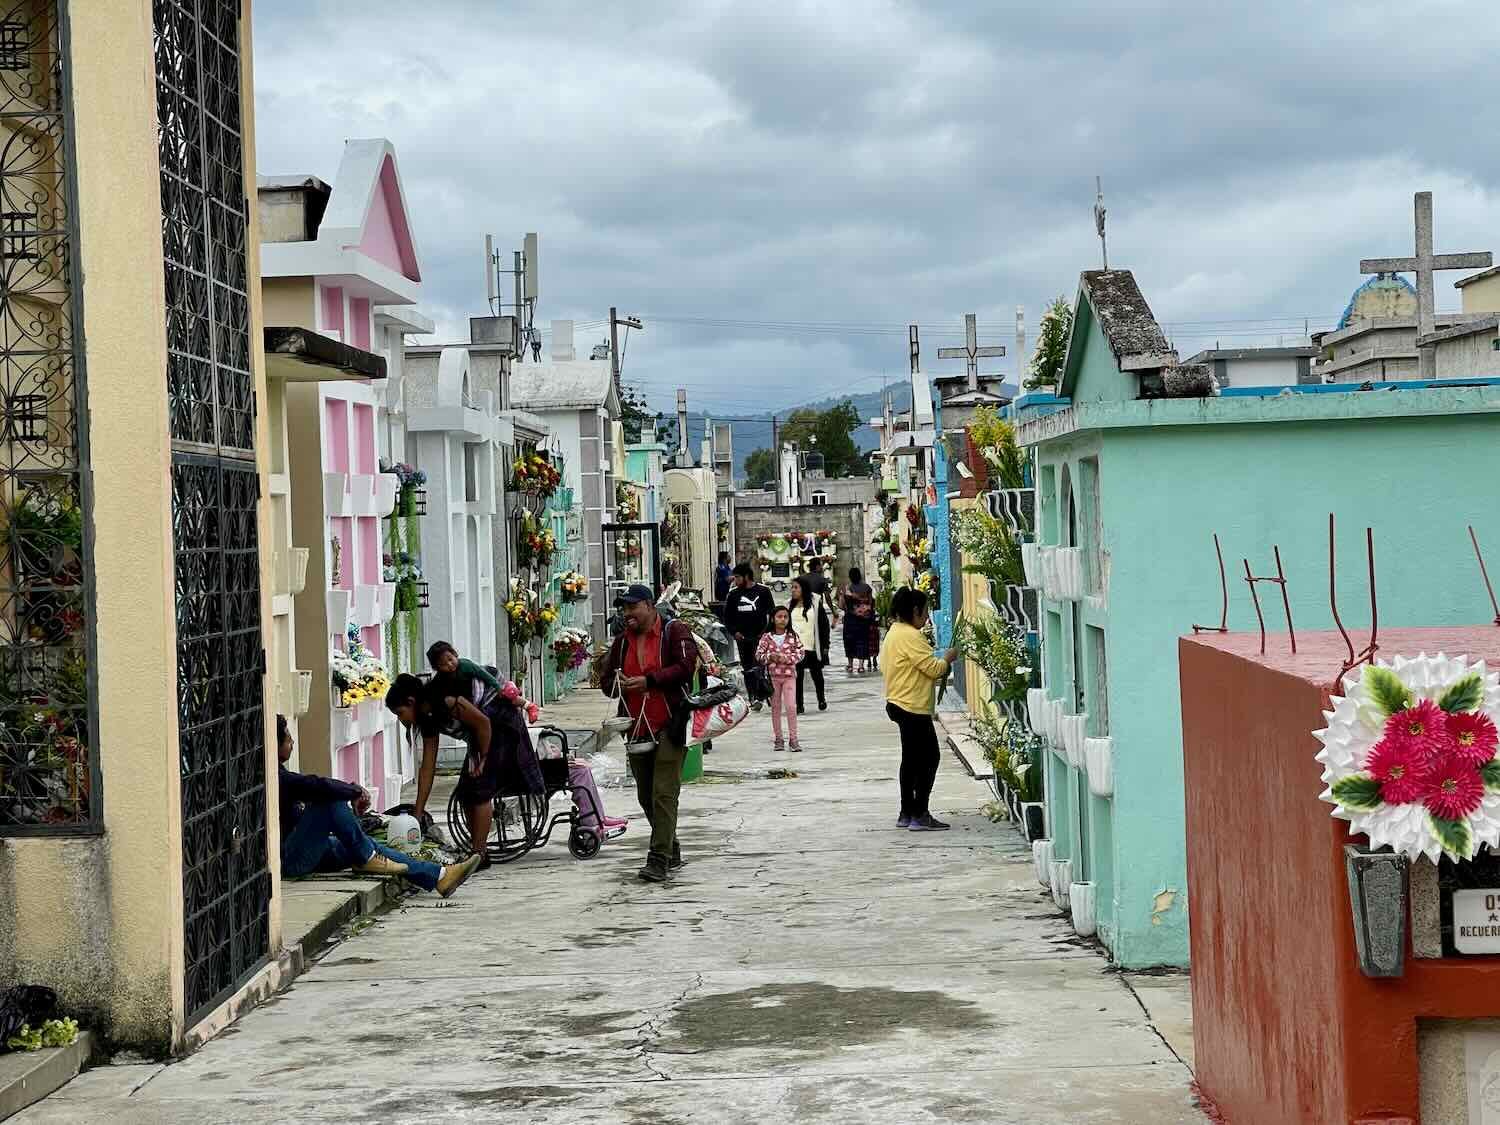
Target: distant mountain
<point x="755" y="433"/>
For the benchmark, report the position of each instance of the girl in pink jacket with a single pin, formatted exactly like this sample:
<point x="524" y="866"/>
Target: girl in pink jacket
<point x="780" y="652"/>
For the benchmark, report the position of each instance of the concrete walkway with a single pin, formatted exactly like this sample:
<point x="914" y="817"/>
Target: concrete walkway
<point x="811" y="964"/>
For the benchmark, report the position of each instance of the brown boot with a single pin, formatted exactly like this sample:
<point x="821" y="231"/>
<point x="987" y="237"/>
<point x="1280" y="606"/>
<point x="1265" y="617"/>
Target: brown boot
<point x="380" y="864"/>
<point x="454" y="874"/>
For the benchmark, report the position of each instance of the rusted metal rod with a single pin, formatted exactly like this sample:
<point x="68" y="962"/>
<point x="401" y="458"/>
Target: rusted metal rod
<point x="1333" y="599"/>
<point x="1255" y="599"/>
<point x="1223" y="626"/>
<point x="1485" y="574"/>
<point x="1286" y="601"/>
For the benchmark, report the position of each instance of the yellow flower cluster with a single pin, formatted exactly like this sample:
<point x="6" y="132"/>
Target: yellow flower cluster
<point x="515" y="609"/>
<point x="548" y="614"/>
<point x="373" y="688"/>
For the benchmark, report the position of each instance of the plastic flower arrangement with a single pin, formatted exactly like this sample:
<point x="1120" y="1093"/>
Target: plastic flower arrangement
<point x="521" y="626"/>
<point x="570" y="648"/>
<point x="534" y="475"/>
<point x="913" y="515"/>
<point x="575" y="587"/>
<point x="1409" y="756"/>
<point x="542" y="620"/>
<point x="537" y="543"/>
<point x="627" y="504"/>
<point x="358" y="676"/>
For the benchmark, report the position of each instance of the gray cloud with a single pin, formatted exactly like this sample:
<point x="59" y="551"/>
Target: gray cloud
<point x="876" y="163"/>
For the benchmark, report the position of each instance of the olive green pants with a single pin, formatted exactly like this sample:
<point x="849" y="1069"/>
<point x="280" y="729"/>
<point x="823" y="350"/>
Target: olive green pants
<point x="658" y="787"/>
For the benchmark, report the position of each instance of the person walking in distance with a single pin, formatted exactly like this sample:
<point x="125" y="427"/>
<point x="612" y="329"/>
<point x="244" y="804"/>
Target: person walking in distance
<point x="781" y="652"/>
<point x="747" y="612"/>
<point x="859" y="608"/>
<point x="805" y="619"/>
<point x="912" y="672"/>
<point x="651" y="664"/>
<point x="827" y="614"/>
<point x="723" y="573"/>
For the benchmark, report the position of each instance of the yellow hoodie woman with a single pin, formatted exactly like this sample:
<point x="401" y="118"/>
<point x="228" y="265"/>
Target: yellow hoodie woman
<point x="912" y="672"/>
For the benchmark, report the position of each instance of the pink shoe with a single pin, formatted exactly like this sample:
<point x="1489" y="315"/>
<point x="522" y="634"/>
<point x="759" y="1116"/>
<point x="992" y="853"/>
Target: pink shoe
<point x="614" y="821"/>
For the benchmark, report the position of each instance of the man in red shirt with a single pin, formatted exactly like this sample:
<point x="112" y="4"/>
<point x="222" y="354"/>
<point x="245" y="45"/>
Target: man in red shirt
<point x="652" y="662"/>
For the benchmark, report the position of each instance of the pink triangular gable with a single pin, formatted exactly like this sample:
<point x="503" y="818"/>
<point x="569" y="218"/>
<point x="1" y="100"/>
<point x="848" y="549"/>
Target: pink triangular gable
<point x="386" y="237"/>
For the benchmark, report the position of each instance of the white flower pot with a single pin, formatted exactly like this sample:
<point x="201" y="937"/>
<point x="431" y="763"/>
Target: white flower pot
<point x="1099" y="758"/>
<point x="1041" y="858"/>
<point x="304" y="691"/>
<point x="339" y="602"/>
<point x="297" y="578"/>
<point x="386" y="487"/>
<point x="1081" y="901"/>
<point x="335" y="494"/>
<point x="1047" y="565"/>
<point x="1068" y="564"/>
<point x="1031" y="563"/>
<point x="362" y="494"/>
<point x="1072" y="728"/>
<point x="343" y="727"/>
<point x="1054" y="722"/>
<point x="366" y="606"/>
<point x="385" y="596"/>
<point x="1036" y="709"/>
<point x="368" y="714"/>
<point x="1062" y="881"/>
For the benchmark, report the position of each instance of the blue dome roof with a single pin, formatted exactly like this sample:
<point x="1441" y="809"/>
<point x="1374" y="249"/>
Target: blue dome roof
<point x="1379" y="281"/>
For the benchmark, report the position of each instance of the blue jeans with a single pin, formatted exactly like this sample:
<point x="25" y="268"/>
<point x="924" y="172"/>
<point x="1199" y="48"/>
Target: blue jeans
<point x="329" y="839"/>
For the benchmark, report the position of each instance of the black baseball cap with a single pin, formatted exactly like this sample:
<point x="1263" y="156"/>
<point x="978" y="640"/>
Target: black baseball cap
<point x="633" y="595"/>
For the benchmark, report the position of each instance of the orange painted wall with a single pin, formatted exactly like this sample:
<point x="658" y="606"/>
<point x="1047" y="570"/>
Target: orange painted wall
<point x="1286" y="1028"/>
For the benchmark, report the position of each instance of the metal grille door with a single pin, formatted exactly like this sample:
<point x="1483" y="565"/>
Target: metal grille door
<point x="215" y="495"/>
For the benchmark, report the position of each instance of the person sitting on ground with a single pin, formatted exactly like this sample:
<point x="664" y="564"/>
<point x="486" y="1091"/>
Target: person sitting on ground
<point x="320" y="831"/>
<point x="501" y="758"/>
<point x="911" y="676"/>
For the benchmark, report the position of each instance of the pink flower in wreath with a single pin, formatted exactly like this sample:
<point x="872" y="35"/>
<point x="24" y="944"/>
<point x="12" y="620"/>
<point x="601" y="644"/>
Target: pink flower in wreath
<point x="1454" y="789"/>
<point x="1473" y="737"/>
<point x="1422" y="727"/>
<point x="510" y="692"/>
<point x="533" y="712"/>
<point x="1400" y="768"/>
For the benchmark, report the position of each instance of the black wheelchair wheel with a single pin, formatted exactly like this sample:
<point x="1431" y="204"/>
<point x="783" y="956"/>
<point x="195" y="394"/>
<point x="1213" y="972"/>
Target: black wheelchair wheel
<point x="583" y="843"/>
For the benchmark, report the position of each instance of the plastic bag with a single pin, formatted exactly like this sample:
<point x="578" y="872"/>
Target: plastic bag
<point x="712" y="722"/>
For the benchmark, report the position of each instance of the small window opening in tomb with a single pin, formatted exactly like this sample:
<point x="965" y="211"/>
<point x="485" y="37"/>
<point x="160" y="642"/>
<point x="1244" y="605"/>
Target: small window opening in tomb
<point x="13" y="45"/>
<point x="26" y="418"/>
<point x="17" y="235"/>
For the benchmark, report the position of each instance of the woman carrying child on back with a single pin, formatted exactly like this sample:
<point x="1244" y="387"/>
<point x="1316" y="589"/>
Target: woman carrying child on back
<point x="781" y="652"/>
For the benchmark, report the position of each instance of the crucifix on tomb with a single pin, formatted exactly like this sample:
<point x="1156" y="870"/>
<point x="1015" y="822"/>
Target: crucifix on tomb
<point x="971" y="351"/>
<point x="1424" y="264"/>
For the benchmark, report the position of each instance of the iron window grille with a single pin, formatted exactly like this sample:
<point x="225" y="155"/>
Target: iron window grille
<point x="49" y="772"/>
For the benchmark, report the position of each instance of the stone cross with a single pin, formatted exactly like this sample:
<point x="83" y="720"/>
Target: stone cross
<point x="971" y="351"/>
<point x="1424" y="264"/>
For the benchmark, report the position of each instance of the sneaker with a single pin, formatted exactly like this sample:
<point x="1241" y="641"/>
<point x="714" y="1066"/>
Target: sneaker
<point x="822" y="705"/>
<point x="655" y="870"/>
<point x="454" y="874"/>
<point x="615" y="821"/>
<point x="796" y="746"/>
<point x="778" y="745"/>
<point x="676" y="863"/>
<point x="927" y="823"/>
<point x="801" y="710"/>
<point x="903" y="821"/>
<point x="380" y="864"/>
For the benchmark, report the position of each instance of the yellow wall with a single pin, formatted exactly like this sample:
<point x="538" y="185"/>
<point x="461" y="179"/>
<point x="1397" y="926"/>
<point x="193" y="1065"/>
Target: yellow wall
<point x="1482" y="296"/>
<point x="290" y="302"/>
<point x="100" y="917"/>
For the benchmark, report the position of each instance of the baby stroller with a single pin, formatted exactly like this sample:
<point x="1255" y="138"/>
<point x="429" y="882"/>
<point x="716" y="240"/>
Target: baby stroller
<point x="533" y="820"/>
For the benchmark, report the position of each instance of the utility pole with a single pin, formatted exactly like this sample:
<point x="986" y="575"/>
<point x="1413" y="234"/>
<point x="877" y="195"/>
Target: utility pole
<point x="615" y="321"/>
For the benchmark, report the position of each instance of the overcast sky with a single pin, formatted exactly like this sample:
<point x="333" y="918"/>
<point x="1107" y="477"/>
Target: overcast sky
<point x="814" y="176"/>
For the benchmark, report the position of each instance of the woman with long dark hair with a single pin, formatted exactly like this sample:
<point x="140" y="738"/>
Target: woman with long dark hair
<point x="805" y="617"/>
<point x="500" y="758"/>
<point x="859" y="608"/>
<point x="912" y="672"/>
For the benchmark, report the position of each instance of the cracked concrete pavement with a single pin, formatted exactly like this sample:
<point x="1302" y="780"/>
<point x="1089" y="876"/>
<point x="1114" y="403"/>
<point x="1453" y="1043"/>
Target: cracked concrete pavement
<point x="810" y="964"/>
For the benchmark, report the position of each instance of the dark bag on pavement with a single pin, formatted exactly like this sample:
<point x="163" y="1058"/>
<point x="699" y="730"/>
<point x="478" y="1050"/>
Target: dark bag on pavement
<point x="757" y="683"/>
<point x="25" y="1005"/>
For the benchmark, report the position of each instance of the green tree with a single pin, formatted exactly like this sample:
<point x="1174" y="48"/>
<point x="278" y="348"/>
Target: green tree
<point x="760" y="468"/>
<point x="834" y="430"/>
<point x="635" y="415"/>
<point x="1051" y="345"/>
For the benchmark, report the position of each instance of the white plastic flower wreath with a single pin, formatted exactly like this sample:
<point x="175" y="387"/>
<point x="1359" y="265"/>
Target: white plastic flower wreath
<point x="1358" y="722"/>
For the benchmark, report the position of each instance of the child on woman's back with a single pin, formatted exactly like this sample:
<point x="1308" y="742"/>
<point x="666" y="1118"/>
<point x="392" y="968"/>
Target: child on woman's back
<point x="780" y="651"/>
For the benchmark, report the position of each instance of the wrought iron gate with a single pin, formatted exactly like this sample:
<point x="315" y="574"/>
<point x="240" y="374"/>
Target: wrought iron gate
<point x="226" y="883"/>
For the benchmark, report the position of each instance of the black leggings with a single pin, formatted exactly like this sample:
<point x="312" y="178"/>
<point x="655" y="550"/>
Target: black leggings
<point x="919" y="759"/>
<point x="811" y="663"/>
